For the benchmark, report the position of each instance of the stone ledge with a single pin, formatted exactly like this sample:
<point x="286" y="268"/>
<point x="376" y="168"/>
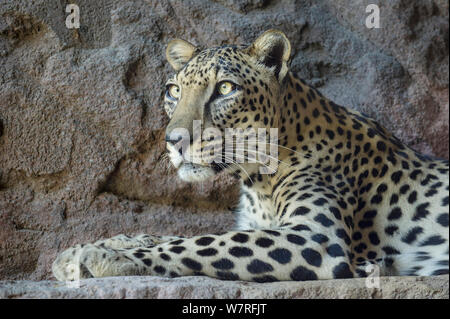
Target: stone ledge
<point x="203" y="287"/>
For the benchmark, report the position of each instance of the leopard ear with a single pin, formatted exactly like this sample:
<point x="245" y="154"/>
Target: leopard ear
<point x="179" y="52"/>
<point x="273" y="50"/>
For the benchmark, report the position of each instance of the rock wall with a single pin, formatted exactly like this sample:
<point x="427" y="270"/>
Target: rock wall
<point x="206" y="288"/>
<point x="81" y="122"/>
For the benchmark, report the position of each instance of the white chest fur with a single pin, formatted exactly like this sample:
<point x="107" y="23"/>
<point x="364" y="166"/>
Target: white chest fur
<point x="255" y="210"/>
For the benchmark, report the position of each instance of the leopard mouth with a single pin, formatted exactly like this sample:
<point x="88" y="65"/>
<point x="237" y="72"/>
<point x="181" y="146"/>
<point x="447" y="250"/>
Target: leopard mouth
<point x="193" y="171"/>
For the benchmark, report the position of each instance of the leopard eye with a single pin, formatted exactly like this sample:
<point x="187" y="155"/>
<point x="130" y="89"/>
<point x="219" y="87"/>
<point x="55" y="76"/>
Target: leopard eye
<point x="226" y="88"/>
<point x="173" y="91"/>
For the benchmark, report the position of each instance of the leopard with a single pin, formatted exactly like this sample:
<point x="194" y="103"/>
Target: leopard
<point x="346" y="195"/>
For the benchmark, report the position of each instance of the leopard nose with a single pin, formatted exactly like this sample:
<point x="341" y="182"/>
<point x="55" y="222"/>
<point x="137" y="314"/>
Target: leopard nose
<point x="173" y="138"/>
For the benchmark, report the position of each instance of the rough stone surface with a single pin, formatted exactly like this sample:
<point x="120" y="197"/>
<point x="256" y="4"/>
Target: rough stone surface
<point x="81" y="122"/>
<point x="206" y="288"/>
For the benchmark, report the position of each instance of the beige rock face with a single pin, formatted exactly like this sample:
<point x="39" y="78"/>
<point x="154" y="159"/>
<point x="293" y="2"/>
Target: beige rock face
<point x="206" y="288"/>
<point x="81" y="122"/>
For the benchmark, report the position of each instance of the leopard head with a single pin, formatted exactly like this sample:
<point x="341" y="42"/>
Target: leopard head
<point x="216" y="90"/>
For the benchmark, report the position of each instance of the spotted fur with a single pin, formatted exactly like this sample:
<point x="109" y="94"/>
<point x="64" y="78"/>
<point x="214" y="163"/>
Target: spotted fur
<point x="346" y="194"/>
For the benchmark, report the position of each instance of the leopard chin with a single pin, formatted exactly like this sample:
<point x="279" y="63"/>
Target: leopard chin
<point x="190" y="172"/>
